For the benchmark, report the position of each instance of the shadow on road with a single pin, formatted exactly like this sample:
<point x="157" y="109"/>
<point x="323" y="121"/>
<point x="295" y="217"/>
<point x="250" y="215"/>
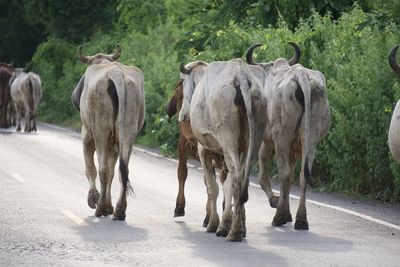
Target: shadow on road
<point x="224" y="253"/>
<point x="305" y="240"/>
<point x="105" y="229"/>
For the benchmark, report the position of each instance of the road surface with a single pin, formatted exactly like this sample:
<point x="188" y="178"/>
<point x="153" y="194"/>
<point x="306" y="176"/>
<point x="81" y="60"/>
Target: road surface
<point x="45" y="220"/>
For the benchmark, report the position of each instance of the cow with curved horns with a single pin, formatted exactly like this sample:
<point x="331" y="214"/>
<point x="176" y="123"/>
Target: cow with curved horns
<point x="110" y="98"/>
<point x="26" y="93"/>
<point x="6" y="71"/>
<point x="298" y="118"/>
<point x="225" y="104"/>
<point x="187" y="148"/>
<point x="394" y="128"/>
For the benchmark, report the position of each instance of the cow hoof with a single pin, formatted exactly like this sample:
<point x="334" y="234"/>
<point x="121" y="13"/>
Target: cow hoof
<point x="280" y="220"/>
<point x="110" y="210"/>
<point x="235" y="236"/>
<point x="93" y="198"/>
<point x="212" y="228"/>
<point x="119" y="214"/>
<point x="273" y="202"/>
<point x="179" y="211"/>
<point x="118" y="217"/>
<point x="301" y="224"/>
<point x="222" y="231"/>
<point x="101" y="212"/>
<point x="206" y="221"/>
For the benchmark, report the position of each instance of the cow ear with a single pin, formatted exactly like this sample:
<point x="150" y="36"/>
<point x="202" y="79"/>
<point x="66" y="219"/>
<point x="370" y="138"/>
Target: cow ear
<point x="76" y="94"/>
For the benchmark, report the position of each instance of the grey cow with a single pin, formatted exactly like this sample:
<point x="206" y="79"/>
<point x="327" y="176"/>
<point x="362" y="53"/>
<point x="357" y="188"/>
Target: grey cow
<point x="26" y="93"/>
<point x="110" y="98"/>
<point x="225" y="105"/>
<point x="394" y="128"/>
<point x="298" y="118"/>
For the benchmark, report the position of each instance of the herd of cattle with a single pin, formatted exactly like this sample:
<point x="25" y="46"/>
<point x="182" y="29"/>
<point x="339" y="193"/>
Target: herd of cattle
<point x="230" y="113"/>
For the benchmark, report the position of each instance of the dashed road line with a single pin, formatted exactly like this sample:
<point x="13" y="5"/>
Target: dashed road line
<point x="73" y="217"/>
<point x="18" y="177"/>
<point x="354" y="213"/>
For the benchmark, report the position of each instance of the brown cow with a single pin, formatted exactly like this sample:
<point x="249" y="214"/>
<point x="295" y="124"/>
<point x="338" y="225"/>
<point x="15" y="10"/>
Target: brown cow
<point x="6" y="71"/>
<point x="187" y="148"/>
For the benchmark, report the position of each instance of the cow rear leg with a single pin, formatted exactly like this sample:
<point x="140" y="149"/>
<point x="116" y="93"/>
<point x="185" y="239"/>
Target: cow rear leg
<point x="301" y="215"/>
<point x="90" y="169"/>
<point x="120" y="207"/>
<point x="107" y="158"/>
<point x="212" y="188"/>
<point x="111" y="166"/>
<point x="28" y="116"/>
<point x="226" y="222"/>
<point x="18" y="111"/>
<point x="237" y="230"/>
<point x="285" y="164"/>
<point x="265" y="156"/>
<point x="182" y="175"/>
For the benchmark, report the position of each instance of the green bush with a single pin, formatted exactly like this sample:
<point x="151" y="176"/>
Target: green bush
<point x="351" y="52"/>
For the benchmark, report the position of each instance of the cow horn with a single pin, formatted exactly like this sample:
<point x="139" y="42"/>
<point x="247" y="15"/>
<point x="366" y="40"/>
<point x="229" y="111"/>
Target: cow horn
<point x="184" y="70"/>
<point x="81" y="57"/>
<point x="249" y="54"/>
<point x="117" y="53"/>
<point x="296" y="56"/>
<point x="392" y="60"/>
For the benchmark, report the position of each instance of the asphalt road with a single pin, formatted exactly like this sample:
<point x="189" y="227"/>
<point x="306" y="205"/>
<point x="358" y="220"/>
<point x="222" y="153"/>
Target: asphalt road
<point x="45" y="221"/>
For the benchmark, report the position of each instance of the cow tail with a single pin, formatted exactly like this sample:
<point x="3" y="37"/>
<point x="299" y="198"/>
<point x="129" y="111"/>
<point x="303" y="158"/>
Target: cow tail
<point x="306" y="88"/>
<point x="31" y="101"/>
<point x="246" y="94"/>
<point x="118" y="83"/>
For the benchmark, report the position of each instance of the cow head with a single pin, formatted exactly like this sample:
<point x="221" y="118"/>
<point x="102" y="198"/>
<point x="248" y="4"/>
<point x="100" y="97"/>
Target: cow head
<point x="392" y="60"/>
<point x="99" y="57"/>
<point x="191" y="74"/>
<point x="267" y="66"/>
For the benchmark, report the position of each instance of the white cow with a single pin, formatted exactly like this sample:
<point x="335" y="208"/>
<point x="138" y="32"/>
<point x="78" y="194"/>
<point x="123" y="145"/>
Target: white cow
<point x="111" y="101"/>
<point x="298" y="118"/>
<point x="226" y="109"/>
<point x="394" y="128"/>
<point x="26" y="93"/>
